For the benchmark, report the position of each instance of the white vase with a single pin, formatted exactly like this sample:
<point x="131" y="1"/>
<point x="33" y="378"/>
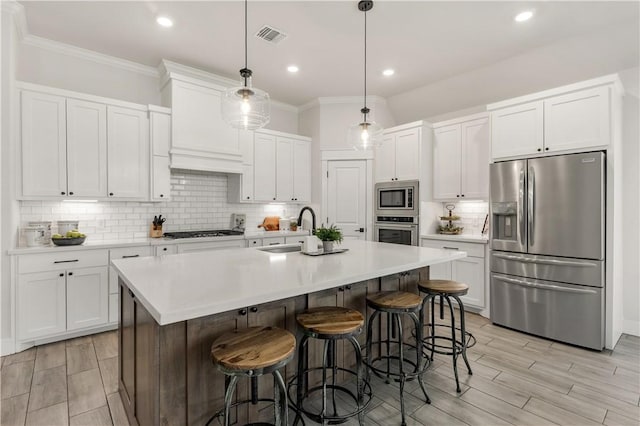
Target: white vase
<point x="328" y="245"/>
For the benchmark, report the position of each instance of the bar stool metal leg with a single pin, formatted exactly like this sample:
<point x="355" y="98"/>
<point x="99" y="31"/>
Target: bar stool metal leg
<point x="464" y="334"/>
<point x="228" y="396"/>
<point x="454" y="344"/>
<point x="280" y="398"/>
<point x="419" y="348"/>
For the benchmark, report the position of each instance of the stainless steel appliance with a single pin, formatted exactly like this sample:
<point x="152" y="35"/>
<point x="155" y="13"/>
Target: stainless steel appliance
<point x="399" y="198"/>
<point x="397" y="230"/>
<point x="548" y="247"/>
<point x="202" y="234"/>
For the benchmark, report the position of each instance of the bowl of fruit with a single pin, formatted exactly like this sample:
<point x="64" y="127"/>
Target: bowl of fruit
<point x="71" y="238"/>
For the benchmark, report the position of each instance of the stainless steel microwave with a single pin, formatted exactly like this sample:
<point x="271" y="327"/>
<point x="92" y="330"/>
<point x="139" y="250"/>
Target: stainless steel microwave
<point x="398" y="198"/>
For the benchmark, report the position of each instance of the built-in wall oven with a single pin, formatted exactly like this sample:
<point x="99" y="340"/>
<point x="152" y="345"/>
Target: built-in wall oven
<point x="397" y="212"/>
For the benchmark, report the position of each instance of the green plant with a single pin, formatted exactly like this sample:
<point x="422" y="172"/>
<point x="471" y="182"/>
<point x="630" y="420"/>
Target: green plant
<point x="329" y="234"/>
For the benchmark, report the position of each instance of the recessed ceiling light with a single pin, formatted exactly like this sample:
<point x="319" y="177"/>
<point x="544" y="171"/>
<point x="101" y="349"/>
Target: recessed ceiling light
<point x="388" y="72"/>
<point x="293" y="68"/>
<point x="164" y="21"/>
<point x="524" y="16"/>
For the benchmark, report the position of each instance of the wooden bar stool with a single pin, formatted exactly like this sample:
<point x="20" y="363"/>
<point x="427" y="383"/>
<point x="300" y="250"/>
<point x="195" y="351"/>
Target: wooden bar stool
<point x="395" y="304"/>
<point x="253" y="352"/>
<point x="457" y="344"/>
<point x="330" y="324"/>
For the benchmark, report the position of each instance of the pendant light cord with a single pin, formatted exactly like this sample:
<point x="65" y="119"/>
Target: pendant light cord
<point x="245" y="37"/>
<point x="365" y="62"/>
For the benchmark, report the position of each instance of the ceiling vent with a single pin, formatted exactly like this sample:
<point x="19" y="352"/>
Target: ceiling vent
<point x="271" y="34"/>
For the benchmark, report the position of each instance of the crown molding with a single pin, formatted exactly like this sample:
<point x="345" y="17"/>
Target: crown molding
<point x="79" y="52"/>
<point x="337" y="100"/>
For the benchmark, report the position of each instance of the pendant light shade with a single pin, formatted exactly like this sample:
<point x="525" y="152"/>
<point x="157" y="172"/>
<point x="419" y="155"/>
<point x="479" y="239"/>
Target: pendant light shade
<point x="246" y="107"/>
<point x="366" y="134"/>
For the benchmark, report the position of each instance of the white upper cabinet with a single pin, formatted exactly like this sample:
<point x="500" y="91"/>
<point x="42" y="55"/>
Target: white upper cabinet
<point x="461" y="159"/>
<point x="160" y="134"/>
<point x="573" y="118"/>
<point x="577" y="120"/>
<point x="517" y="130"/>
<point x="264" y="167"/>
<point x="44" y="145"/>
<point x="128" y="153"/>
<point x="201" y="140"/>
<point x="284" y="169"/>
<point x="86" y="148"/>
<point x="399" y="156"/>
<point x="302" y="171"/>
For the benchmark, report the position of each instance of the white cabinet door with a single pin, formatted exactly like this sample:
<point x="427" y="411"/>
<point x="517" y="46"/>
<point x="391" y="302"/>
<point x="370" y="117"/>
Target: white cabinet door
<point x="246" y="146"/>
<point x="577" y="120"/>
<point x="302" y="171"/>
<point x="128" y="153"/>
<point x="408" y="154"/>
<point x="446" y="162"/>
<point x="517" y="130"/>
<point x="44" y="145"/>
<point x="474" y="173"/>
<point x="347" y="197"/>
<point x="470" y="270"/>
<point x="41" y="304"/>
<point x="161" y="182"/>
<point x="87" y="297"/>
<point x="197" y="120"/>
<point x="441" y="271"/>
<point x="160" y="126"/>
<point x="284" y="169"/>
<point x="264" y="167"/>
<point x="247" y="182"/>
<point x="86" y="148"/>
<point x="212" y="245"/>
<point x="385" y="166"/>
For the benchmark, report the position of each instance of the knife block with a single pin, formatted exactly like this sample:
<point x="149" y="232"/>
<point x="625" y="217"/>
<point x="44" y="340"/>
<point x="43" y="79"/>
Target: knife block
<point x="155" y="231"/>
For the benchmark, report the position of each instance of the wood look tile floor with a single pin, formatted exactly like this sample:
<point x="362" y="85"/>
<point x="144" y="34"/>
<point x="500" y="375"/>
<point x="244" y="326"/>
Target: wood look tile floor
<point x="517" y="379"/>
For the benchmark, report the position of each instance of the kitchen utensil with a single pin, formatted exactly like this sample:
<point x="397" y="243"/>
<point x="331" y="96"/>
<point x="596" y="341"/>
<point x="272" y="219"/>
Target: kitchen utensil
<point x="68" y="241"/>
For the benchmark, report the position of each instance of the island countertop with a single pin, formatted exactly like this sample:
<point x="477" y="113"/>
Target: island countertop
<point x="191" y="285"/>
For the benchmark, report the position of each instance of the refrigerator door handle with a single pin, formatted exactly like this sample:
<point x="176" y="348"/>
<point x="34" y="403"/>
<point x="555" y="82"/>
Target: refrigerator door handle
<point x="543" y="286"/>
<point x="543" y="261"/>
<point x="521" y="227"/>
<point x="531" y="188"/>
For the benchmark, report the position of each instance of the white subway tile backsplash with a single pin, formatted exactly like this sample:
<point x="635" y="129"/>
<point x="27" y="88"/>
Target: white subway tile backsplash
<point x="198" y="201"/>
<point x="472" y="215"/>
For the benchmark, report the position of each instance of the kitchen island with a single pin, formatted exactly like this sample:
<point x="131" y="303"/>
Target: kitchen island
<point x="173" y="307"/>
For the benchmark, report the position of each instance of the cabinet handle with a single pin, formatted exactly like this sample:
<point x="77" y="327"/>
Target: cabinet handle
<point x="131" y="255"/>
<point x="450" y="248"/>
<point x="62" y="193"/>
<point x="242" y="312"/>
<point x="71" y="193"/>
<point x="546" y="149"/>
<point x="70" y="273"/>
<point x="340" y="288"/>
<point x="348" y="287"/>
<point x="539" y="149"/>
<point x="458" y="195"/>
<point x="274" y="244"/>
<point x="111" y="194"/>
<point x="161" y="195"/>
<point x="61" y="274"/>
<point x="65" y="261"/>
<point x="164" y="249"/>
<point x="131" y="294"/>
<point x="462" y="195"/>
<point x="254" y="309"/>
<point x="248" y="198"/>
<point x="274" y="198"/>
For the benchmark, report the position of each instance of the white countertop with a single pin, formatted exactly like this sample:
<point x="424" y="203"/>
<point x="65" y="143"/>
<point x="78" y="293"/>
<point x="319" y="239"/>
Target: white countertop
<point x="463" y="238"/>
<point x="105" y="244"/>
<point x="186" y="286"/>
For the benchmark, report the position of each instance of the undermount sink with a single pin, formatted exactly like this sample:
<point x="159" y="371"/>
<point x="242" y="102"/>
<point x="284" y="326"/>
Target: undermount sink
<point x="281" y="249"/>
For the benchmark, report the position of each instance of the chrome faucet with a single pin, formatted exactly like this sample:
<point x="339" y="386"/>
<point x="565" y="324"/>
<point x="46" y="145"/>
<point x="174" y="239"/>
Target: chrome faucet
<point x="313" y="218"/>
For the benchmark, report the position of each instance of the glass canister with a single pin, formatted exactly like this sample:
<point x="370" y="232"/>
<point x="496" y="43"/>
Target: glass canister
<point x="46" y="239"/>
<point x="33" y="235"/>
<point x="67" y="225"/>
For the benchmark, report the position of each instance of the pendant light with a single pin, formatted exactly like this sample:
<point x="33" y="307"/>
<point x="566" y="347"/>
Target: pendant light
<point x="367" y="134"/>
<point x="246" y="107"/>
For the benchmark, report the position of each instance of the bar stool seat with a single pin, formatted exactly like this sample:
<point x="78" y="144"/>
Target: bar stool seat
<point x="253" y="352"/>
<point x="397" y="365"/>
<point x="330" y="324"/>
<point x="456" y="344"/>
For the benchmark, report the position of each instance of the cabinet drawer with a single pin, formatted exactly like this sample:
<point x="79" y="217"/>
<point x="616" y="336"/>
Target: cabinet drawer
<point x="472" y="249"/>
<point x="166" y="249"/>
<point x="62" y="260"/>
<point x="256" y="242"/>
<point x="126" y="252"/>
<point x="295" y="240"/>
<point x="213" y="245"/>
<point x="273" y="241"/>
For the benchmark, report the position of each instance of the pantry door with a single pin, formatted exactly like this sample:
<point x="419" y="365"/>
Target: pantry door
<point x="347" y="197"/>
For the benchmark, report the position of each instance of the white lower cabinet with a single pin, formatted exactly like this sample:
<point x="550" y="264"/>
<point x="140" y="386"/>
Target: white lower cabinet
<point x="61" y="292"/>
<point x="121" y="253"/>
<point x="469" y="270"/>
<point x="210" y="245"/>
<point x="273" y="241"/>
<point x="165" y="249"/>
<point x="87" y="298"/>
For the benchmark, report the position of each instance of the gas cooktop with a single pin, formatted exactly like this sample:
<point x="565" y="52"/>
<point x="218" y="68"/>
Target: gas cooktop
<point x="202" y="234"/>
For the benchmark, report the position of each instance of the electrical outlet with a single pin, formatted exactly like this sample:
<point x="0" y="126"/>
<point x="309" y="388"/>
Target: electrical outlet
<point x="238" y="220"/>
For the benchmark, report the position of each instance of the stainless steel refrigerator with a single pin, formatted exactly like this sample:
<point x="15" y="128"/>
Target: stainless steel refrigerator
<point x="548" y="247"/>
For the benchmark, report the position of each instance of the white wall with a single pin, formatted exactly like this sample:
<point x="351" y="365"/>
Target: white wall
<point x="567" y="61"/>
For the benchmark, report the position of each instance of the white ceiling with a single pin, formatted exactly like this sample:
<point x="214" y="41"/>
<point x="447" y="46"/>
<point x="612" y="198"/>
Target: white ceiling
<point x="425" y="42"/>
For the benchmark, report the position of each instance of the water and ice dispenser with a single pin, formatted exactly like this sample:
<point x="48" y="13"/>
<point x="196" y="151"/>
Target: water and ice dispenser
<point x="504" y="221"/>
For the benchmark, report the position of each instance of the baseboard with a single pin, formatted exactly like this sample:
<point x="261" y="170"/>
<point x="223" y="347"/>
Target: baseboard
<point x="631" y="327"/>
<point x="7" y="347"/>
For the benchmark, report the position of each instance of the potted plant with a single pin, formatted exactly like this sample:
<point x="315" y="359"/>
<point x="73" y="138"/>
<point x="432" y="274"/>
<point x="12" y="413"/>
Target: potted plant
<point x="329" y="236"/>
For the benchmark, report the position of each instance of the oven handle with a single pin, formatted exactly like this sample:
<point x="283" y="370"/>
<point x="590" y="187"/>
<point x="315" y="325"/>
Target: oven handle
<point x="524" y="283"/>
